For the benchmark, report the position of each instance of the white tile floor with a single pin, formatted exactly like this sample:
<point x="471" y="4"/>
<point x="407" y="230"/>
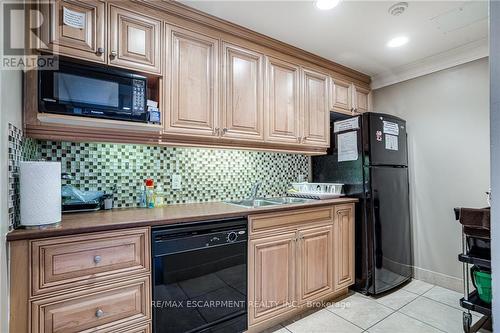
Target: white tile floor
<point x="418" y="307"/>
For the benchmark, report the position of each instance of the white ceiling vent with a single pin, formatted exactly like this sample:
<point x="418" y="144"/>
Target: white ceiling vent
<point x="398" y="8"/>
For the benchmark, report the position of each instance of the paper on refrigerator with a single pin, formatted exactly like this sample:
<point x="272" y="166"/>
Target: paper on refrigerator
<point x="347" y="146"/>
<point x="391" y="142"/>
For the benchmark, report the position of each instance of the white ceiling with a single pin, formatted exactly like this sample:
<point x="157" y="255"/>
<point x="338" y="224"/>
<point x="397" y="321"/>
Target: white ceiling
<point x="355" y="33"/>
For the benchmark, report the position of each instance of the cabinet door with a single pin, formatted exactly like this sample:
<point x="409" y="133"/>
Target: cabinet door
<point x="282" y="102"/>
<point x="271" y="276"/>
<point x="315" y="263"/>
<point x="242" y="94"/>
<point x="75" y="29"/>
<point x="316" y="113"/>
<point x="361" y="99"/>
<point x="341" y="96"/>
<point x="192" y="83"/>
<point x="344" y="245"/>
<point x="134" y="40"/>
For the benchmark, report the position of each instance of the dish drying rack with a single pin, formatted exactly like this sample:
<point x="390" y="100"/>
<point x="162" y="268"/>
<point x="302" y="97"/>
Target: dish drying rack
<point x="318" y="191"/>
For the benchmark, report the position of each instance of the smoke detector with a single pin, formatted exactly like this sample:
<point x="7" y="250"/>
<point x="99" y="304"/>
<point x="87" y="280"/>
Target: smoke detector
<point x="398" y="8"/>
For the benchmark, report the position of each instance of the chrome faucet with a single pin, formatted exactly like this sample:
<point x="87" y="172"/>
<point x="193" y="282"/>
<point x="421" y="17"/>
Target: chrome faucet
<point x="255" y="189"/>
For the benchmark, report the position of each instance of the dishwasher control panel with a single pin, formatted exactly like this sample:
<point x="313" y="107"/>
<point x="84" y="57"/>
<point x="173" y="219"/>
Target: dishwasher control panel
<point x="203" y="235"/>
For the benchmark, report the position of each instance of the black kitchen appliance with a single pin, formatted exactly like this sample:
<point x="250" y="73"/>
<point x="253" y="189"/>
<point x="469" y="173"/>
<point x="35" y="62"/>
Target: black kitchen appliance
<point x="97" y="91"/>
<point x="200" y="277"/>
<point x="369" y="155"/>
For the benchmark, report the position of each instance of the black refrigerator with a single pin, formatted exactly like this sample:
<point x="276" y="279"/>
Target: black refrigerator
<point x="369" y="155"/>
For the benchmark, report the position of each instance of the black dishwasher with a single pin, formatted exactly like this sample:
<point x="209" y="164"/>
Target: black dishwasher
<point x="200" y="277"/>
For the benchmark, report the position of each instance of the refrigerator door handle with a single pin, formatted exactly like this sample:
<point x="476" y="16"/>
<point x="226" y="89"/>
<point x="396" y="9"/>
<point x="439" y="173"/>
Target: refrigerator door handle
<point x="377" y="230"/>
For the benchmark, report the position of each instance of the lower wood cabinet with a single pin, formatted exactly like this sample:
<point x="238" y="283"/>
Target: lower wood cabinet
<point x="61" y="263"/>
<point x="101" y="309"/>
<point x="101" y="282"/>
<point x="298" y="257"/>
<point x="271" y="282"/>
<point x="344" y="245"/>
<point x="93" y="282"/>
<point x="315" y="262"/>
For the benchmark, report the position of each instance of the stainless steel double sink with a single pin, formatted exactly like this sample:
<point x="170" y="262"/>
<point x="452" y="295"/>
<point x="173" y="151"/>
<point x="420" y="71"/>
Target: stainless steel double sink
<point x="262" y="202"/>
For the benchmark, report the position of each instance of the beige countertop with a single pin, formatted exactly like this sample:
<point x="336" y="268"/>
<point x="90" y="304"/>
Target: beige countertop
<point x="76" y="223"/>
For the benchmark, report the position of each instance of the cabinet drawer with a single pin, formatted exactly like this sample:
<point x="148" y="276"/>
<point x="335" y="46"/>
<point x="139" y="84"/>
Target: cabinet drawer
<point x="66" y="262"/>
<point x="141" y="328"/>
<point x="96" y="310"/>
<point x="290" y="219"/>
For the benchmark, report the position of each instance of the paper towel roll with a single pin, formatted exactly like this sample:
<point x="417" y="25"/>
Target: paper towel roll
<point x="40" y="190"/>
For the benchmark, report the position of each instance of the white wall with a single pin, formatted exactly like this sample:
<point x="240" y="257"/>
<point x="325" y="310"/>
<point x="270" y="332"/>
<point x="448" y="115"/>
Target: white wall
<point x="447" y="116"/>
<point x="10" y="111"/>
<point x="495" y="154"/>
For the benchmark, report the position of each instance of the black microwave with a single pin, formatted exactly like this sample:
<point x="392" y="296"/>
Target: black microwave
<point x="93" y="91"/>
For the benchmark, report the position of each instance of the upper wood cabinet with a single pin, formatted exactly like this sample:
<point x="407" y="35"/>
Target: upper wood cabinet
<point x="243" y="94"/>
<point x="282" y="102"/>
<point x="315" y="110"/>
<point x="271" y="276"/>
<point x="239" y="92"/>
<point x="134" y="40"/>
<point x="315" y="264"/>
<point x="344" y="245"/>
<point x="361" y="98"/>
<point x="341" y="96"/>
<point x="75" y="29"/>
<point x="192" y="83"/>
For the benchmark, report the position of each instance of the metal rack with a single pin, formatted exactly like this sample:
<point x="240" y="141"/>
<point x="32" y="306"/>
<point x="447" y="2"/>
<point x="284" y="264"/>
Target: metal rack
<point x="471" y="301"/>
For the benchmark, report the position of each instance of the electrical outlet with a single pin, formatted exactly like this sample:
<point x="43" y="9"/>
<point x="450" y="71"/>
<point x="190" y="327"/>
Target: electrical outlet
<point x="176" y="181"/>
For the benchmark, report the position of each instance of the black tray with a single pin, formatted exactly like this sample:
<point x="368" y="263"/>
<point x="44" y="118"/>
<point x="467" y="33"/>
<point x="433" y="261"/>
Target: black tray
<point x="474" y="260"/>
<point x="474" y="303"/>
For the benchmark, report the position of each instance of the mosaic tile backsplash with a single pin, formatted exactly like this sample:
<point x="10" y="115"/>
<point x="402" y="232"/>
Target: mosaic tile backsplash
<point x="207" y="174"/>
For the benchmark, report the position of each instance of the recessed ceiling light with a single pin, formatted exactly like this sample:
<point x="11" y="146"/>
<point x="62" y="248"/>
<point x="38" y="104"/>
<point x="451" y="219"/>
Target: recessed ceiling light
<point x="326" y="4"/>
<point x="398" y="41"/>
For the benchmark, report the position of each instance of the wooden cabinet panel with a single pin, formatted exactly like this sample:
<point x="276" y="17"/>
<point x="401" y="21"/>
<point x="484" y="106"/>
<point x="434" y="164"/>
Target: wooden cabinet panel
<point x="271" y="277"/>
<point x="142" y="328"/>
<point x="341" y="96"/>
<point x="99" y="310"/>
<point x="192" y="89"/>
<point x="282" y="120"/>
<point x="66" y="262"/>
<point x="242" y="93"/>
<point x="83" y="39"/>
<point x="272" y="222"/>
<point x="344" y="245"/>
<point x="134" y="40"/>
<point x="315" y="262"/>
<point x="315" y="110"/>
<point x="361" y="99"/>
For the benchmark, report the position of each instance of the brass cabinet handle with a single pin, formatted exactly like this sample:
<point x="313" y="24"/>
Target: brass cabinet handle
<point x="216" y="131"/>
<point x="113" y="54"/>
<point x="97" y="259"/>
<point x="99" y="313"/>
<point x="100" y="50"/>
<point x="224" y="131"/>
